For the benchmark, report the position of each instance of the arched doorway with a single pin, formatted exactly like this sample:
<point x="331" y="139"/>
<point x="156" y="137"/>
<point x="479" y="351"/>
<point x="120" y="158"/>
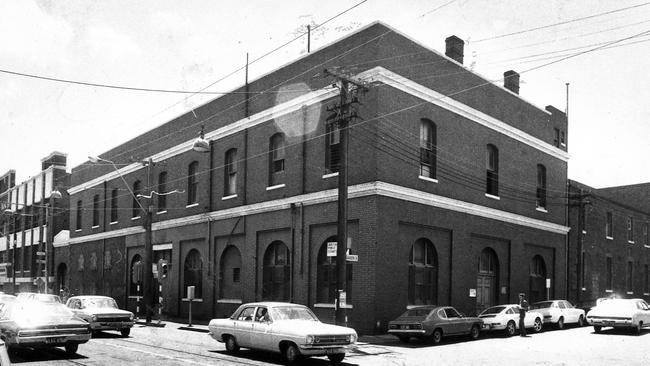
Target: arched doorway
<point x="61" y="278"/>
<point x="276" y="274"/>
<point x="537" y="283"/>
<point x="487" y="280"/>
<point x="230" y="276"/>
<point x="423" y="273"/>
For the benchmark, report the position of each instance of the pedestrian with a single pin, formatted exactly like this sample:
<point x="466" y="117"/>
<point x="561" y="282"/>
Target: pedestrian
<point x="523" y="308"/>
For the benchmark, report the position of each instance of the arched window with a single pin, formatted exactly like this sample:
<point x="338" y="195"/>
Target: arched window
<point x="162" y="189"/>
<point x="326" y="276"/>
<point x="492" y="170"/>
<point x="428" y="141"/>
<point x="137" y="189"/>
<point x="537" y="288"/>
<point x="193" y="273"/>
<point x="79" y="214"/>
<point x="541" y="186"/>
<point x="96" y="210"/>
<point x="230" y="275"/>
<point x="136" y="275"/>
<point x="230" y="173"/>
<point x="276" y="159"/>
<point x="114" y="194"/>
<point x="423" y="273"/>
<point x="192" y="183"/>
<point x="276" y="272"/>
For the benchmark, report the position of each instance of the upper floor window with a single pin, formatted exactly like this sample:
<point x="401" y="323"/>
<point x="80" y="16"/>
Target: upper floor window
<point x="608" y="225"/>
<point x="114" y="194"/>
<point x="645" y="234"/>
<point x="162" y="189"/>
<point x="333" y="147"/>
<point x="79" y="204"/>
<point x="96" y="210"/>
<point x="541" y="186"/>
<point x="276" y="159"/>
<point x="137" y="189"/>
<point x="230" y="173"/>
<point x="556" y="138"/>
<point x="192" y="183"/>
<point x="428" y="141"/>
<point x="630" y="229"/>
<point x="492" y="170"/>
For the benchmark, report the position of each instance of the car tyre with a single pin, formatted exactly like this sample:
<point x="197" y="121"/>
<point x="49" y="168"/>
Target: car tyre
<point x="475" y="332"/>
<point x="511" y="329"/>
<point x="336" y="358"/>
<point x="231" y="345"/>
<point x="125" y="332"/>
<point x="560" y="323"/>
<point x="638" y="328"/>
<point x="537" y="326"/>
<point x="291" y="353"/>
<point x="436" y="336"/>
<point x="581" y="321"/>
<point x="598" y="328"/>
<point x="71" y="348"/>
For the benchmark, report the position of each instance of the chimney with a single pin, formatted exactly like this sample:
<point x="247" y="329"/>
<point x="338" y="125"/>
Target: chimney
<point x="454" y="49"/>
<point x="511" y="81"/>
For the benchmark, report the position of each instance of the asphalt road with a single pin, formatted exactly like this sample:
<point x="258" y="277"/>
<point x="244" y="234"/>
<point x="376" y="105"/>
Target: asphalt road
<point x="173" y="346"/>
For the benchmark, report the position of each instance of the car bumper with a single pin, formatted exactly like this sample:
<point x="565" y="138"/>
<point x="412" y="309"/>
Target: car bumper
<point x="488" y="327"/>
<point x="99" y="325"/>
<point x="309" y="350"/>
<point x="616" y="323"/>
<point x="49" y="341"/>
<point x="408" y="332"/>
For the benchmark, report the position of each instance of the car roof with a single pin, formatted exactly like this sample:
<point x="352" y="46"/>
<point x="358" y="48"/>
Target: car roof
<point x="83" y="297"/>
<point x="271" y="304"/>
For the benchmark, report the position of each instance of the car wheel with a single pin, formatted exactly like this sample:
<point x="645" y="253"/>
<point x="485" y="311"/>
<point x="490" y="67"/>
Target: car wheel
<point x="581" y="321"/>
<point x="537" y="326"/>
<point x="638" y="328"/>
<point x="511" y="329"/>
<point x="475" y="332"/>
<point x="291" y="353"/>
<point x="125" y="332"/>
<point x="71" y="348"/>
<point x="403" y="338"/>
<point x="336" y="358"/>
<point x="436" y="336"/>
<point x="560" y="323"/>
<point x="598" y="328"/>
<point x="231" y="345"/>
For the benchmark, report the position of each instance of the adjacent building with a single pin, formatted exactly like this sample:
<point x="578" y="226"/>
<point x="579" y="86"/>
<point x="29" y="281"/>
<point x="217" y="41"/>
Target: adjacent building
<point x="457" y="192"/>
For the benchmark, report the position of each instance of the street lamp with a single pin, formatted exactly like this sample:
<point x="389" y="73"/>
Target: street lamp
<point x="201" y="144"/>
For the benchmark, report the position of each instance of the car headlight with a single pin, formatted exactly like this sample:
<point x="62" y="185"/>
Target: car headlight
<point x="94" y="318"/>
<point x="309" y="339"/>
<point x="131" y="317"/>
<point x="351" y="338"/>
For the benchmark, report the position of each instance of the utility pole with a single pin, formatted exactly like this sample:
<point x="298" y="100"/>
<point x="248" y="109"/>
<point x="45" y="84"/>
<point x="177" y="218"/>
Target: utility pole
<point x="147" y="287"/>
<point x="343" y="118"/>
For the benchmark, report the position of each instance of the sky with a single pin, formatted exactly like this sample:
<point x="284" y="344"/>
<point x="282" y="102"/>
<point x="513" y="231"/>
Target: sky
<point x="597" y="47"/>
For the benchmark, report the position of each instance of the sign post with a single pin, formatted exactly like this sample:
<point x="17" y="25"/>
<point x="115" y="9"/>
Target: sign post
<point x="190" y="297"/>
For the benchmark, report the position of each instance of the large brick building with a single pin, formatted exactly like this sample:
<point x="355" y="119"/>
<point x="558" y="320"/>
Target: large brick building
<point x="457" y="192"/>
<point x="609" y="244"/>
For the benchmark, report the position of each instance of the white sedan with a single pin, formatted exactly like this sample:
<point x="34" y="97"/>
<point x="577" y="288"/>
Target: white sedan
<point x="290" y="329"/>
<point x="620" y="313"/>
<point x="559" y="312"/>
<point x="506" y="318"/>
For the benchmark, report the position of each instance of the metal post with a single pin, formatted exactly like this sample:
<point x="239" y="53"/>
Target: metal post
<point x="137" y="301"/>
<point x="148" y="249"/>
<point x="189" y="324"/>
<point x="160" y="301"/>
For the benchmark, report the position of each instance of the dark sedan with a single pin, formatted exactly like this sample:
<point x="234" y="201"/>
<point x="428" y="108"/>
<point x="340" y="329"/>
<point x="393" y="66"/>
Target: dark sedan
<point x="434" y="322"/>
<point x="33" y="324"/>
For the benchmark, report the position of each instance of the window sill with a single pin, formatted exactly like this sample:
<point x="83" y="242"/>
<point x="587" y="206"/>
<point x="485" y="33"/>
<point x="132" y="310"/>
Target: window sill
<point x="95" y="227"/>
<point x="192" y="205"/>
<point x="647" y="246"/>
<point x="630" y="242"/>
<point x="432" y="180"/>
<point x="230" y="301"/>
<point x="330" y="175"/>
<point x="161" y="212"/>
<point x="185" y="299"/>
<point x="646" y="293"/>
<point x="229" y="197"/>
<point x="331" y="306"/>
<point x="584" y="289"/>
<point x="493" y="197"/>
<point x="609" y="291"/>
<point x="630" y="292"/>
<point x="77" y="231"/>
<point x="113" y="222"/>
<point x="135" y="218"/>
<point x="277" y="186"/>
<point x="541" y="209"/>
<point x="609" y="237"/>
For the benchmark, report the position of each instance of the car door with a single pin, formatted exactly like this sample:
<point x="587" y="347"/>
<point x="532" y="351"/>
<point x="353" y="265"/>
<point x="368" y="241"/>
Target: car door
<point x="260" y="334"/>
<point x="456" y="323"/>
<point x="573" y="314"/>
<point x="644" y="310"/>
<point x="243" y="326"/>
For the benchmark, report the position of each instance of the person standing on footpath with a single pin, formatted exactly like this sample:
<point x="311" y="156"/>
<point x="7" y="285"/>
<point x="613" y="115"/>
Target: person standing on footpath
<point x="523" y="308"/>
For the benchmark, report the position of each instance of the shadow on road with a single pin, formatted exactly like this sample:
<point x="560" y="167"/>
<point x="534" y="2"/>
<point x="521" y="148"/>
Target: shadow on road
<point x="277" y="359"/>
<point x="22" y="355"/>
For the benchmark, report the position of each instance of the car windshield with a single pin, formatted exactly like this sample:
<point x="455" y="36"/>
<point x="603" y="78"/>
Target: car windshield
<point x="417" y="312"/>
<point x="99" y="302"/>
<point x="35" y="312"/>
<point x="46" y="298"/>
<point x="542" y="305"/>
<point x="493" y="310"/>
<point x="292" y="313"/>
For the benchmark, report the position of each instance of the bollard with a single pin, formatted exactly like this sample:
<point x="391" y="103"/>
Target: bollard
<point x="137" y="303"/>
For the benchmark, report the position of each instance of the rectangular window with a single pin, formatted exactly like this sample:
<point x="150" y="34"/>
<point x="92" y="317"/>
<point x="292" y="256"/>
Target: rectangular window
<point x="608" y="226"/>
<point x="630" y="229"/>
<point x="96" y="210"/>
<point x="646" y="280"/>
<point x="562" y="141"/>
<point x="162" y="189"/>
<point x="192" y="183"/>
<point x="556" y="139"/>
<point x="583" y="269"/>
<point x="629" y="275"/>
<point x="428" y="142"/>
<point x="114" y="205"/>
<point x="645" y="234"/>
<point x="333" y="148"/>
<point x="610" y="274"/>
<point x="79" y="211"/>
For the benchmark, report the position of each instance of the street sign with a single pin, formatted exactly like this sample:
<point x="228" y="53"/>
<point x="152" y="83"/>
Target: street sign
<point x="40" y="253"/>
<point x="352" y="258"/>
<point x="40" y="261"/>
<point x="331" y="249"/>
<point x="548" y="283"/>
<point x="342" y="299"/>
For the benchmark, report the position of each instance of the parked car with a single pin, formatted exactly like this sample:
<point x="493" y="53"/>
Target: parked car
<point x="287" y="328"/>
<point x="7" y="297"/>
<point x="102" y="313"/>
<point x="46" y="298"/>
<point x="620" y="313"/>
<point x="434" y="322"/>
<point x="506" y="318"/>
<point x="559" y="312"/>
<point x="35" y="324"/>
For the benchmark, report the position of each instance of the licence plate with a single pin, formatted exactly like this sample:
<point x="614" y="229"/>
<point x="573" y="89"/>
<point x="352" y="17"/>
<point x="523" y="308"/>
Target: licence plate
<point x="608" y="322"/>
<point x="55" y="340"/>
<point x="330" y="351"/>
